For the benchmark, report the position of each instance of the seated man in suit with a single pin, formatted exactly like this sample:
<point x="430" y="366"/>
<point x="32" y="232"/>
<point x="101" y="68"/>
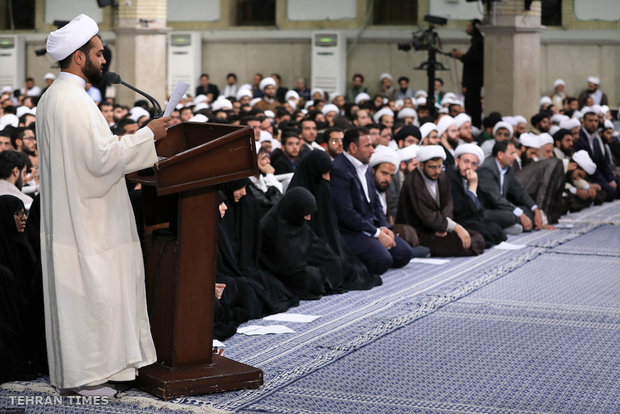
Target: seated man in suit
<point x="361" y="220"/>
<point x="505" y="200"/>
<point x="590" y="141"/>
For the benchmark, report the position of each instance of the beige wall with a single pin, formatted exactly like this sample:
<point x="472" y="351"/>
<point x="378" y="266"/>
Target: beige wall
<point x="291" y="58"/>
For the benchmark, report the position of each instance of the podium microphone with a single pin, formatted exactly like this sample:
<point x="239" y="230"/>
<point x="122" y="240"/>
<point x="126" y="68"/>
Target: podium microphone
<point x="113" y="77"/>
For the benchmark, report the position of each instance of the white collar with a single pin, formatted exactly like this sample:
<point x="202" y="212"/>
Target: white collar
<point x="71" y="76"/>
<point x="356" y="163"/>
<point x="502" y="171"/>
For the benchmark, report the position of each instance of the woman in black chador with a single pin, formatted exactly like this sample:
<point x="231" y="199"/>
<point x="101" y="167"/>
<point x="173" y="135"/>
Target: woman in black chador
<point x="291" y="250"/>
<point x="240" y="246"/>
<point x="17" y="264"/>
<point x="313" y="175"/>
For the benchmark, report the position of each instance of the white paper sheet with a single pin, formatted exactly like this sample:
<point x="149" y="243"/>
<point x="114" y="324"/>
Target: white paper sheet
<point x="179" y="90"/>
<point x="264" y="330"/>
<point x="291" y="317"/>
<point x="429" y="261"/>
<point x="509" y="246"/>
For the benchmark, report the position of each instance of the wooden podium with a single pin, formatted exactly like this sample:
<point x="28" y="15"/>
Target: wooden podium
<point x="181" y="201"/>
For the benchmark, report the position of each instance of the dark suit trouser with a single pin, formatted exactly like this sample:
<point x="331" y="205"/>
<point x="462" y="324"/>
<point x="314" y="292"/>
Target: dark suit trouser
<point x="505" y="218"/>
<point x="377" y="258"/>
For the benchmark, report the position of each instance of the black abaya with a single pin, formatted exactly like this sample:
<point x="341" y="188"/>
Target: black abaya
<point x="241" y="227"/>
<point x="324" y="223"/>
<point x="291" y="250"/>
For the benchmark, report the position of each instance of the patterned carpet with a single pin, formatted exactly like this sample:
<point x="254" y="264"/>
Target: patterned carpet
<point x="510" y="331"/>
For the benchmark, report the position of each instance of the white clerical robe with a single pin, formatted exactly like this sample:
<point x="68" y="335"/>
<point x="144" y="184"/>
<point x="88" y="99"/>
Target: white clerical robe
<point x="93" y="276"/>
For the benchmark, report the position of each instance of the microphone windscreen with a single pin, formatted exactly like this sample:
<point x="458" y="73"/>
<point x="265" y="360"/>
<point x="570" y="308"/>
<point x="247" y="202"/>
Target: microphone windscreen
<point x="111" y="78"/>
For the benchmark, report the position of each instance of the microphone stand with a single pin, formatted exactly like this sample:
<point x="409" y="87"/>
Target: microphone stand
<point x="158" y="113"/>
<point x="112" y="78"/>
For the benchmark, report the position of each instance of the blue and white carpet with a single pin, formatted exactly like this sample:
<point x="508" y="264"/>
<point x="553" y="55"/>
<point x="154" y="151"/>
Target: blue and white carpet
<point x="535" y="330"/>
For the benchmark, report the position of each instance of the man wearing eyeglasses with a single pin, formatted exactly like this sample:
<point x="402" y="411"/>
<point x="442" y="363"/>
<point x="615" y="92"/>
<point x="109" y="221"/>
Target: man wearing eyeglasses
<point x="333" y="141"/>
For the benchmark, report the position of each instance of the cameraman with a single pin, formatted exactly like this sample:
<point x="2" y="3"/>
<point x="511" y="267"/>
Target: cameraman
<point x="473" y="63"/>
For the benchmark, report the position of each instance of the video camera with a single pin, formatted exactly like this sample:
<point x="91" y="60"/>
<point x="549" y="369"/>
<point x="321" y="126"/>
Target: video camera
<point x="425" y="39"/>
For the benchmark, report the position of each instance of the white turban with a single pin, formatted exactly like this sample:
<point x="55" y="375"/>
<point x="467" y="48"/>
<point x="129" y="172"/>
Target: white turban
<point x="291" y="94"/>
<point x="398" y="104"/>
<point x="461" y="118"/>
<point x="469" y="149"/>
<point x="607" y="125"/>
<point x="269" y="113"/>
<point x="520" y="119"/>
<point x="329" y="108"/>
<point x="558" y="118"/>
<point x="444" y="123"/>
<point x="49" y="76"/>
<point x="266" y="82"/>
<point x="421" y="101"/>
<point x="558" y="82"/>
<point x="383" y="111"/>
<point x="582" y="158"/>
<point x="594" y="109"/>
<point x="428" y="152"/>
<point x="244" y="92"/>
<point x="408" y="153"/>
<point x="545" y="139"/>
<point x="319" y="90"/>
<point x="363" y="96"/>
<point x="604" y="109"/>
<point x="199" y="118"/>
<point x="505" y="125"/>
<point x="200" y="98"/>
<point x="407" y="113"/>
<point x="529" y="140"/>
<point x="384" y="154"/>
<point x="221" y="103"/>
<point x="421" y="93"/>
<point x="385" y="76"/>
<point x="553" y="130"/>
<point x="72" y="36"/>
<point x="594" y="80"/>
<point x="8" y="119"/>
<point x="23" y="110"/>
<point x="334" y="95"/>
<point x="200" y="106"/>
<point x="545" y="100"/>
<point x="427" y="128"/>
<point x="255" y="101"/>
<point x="577" y="114"/>
<point x="138" y="112"/>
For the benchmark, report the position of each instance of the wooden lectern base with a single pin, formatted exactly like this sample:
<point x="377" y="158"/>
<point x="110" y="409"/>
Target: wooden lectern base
<point x="222" y="374"/>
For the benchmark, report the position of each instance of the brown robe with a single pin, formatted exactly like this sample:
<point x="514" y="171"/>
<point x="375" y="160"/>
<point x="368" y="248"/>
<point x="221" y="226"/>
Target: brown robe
<point x="417" y="207"/>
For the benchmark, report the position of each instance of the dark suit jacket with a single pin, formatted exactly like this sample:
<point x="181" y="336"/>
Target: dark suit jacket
<point x="603" y="172"/>
<point x="489" y="188"/>
<point x="355" y="214"/>
<point x="465" y="208"/>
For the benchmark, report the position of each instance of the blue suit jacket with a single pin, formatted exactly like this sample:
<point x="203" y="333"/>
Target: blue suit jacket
<point x="355" y="214"/>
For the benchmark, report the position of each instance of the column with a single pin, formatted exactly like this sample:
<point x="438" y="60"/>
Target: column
<point x="141" y="49"/>
<point x="512" y="58"/>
